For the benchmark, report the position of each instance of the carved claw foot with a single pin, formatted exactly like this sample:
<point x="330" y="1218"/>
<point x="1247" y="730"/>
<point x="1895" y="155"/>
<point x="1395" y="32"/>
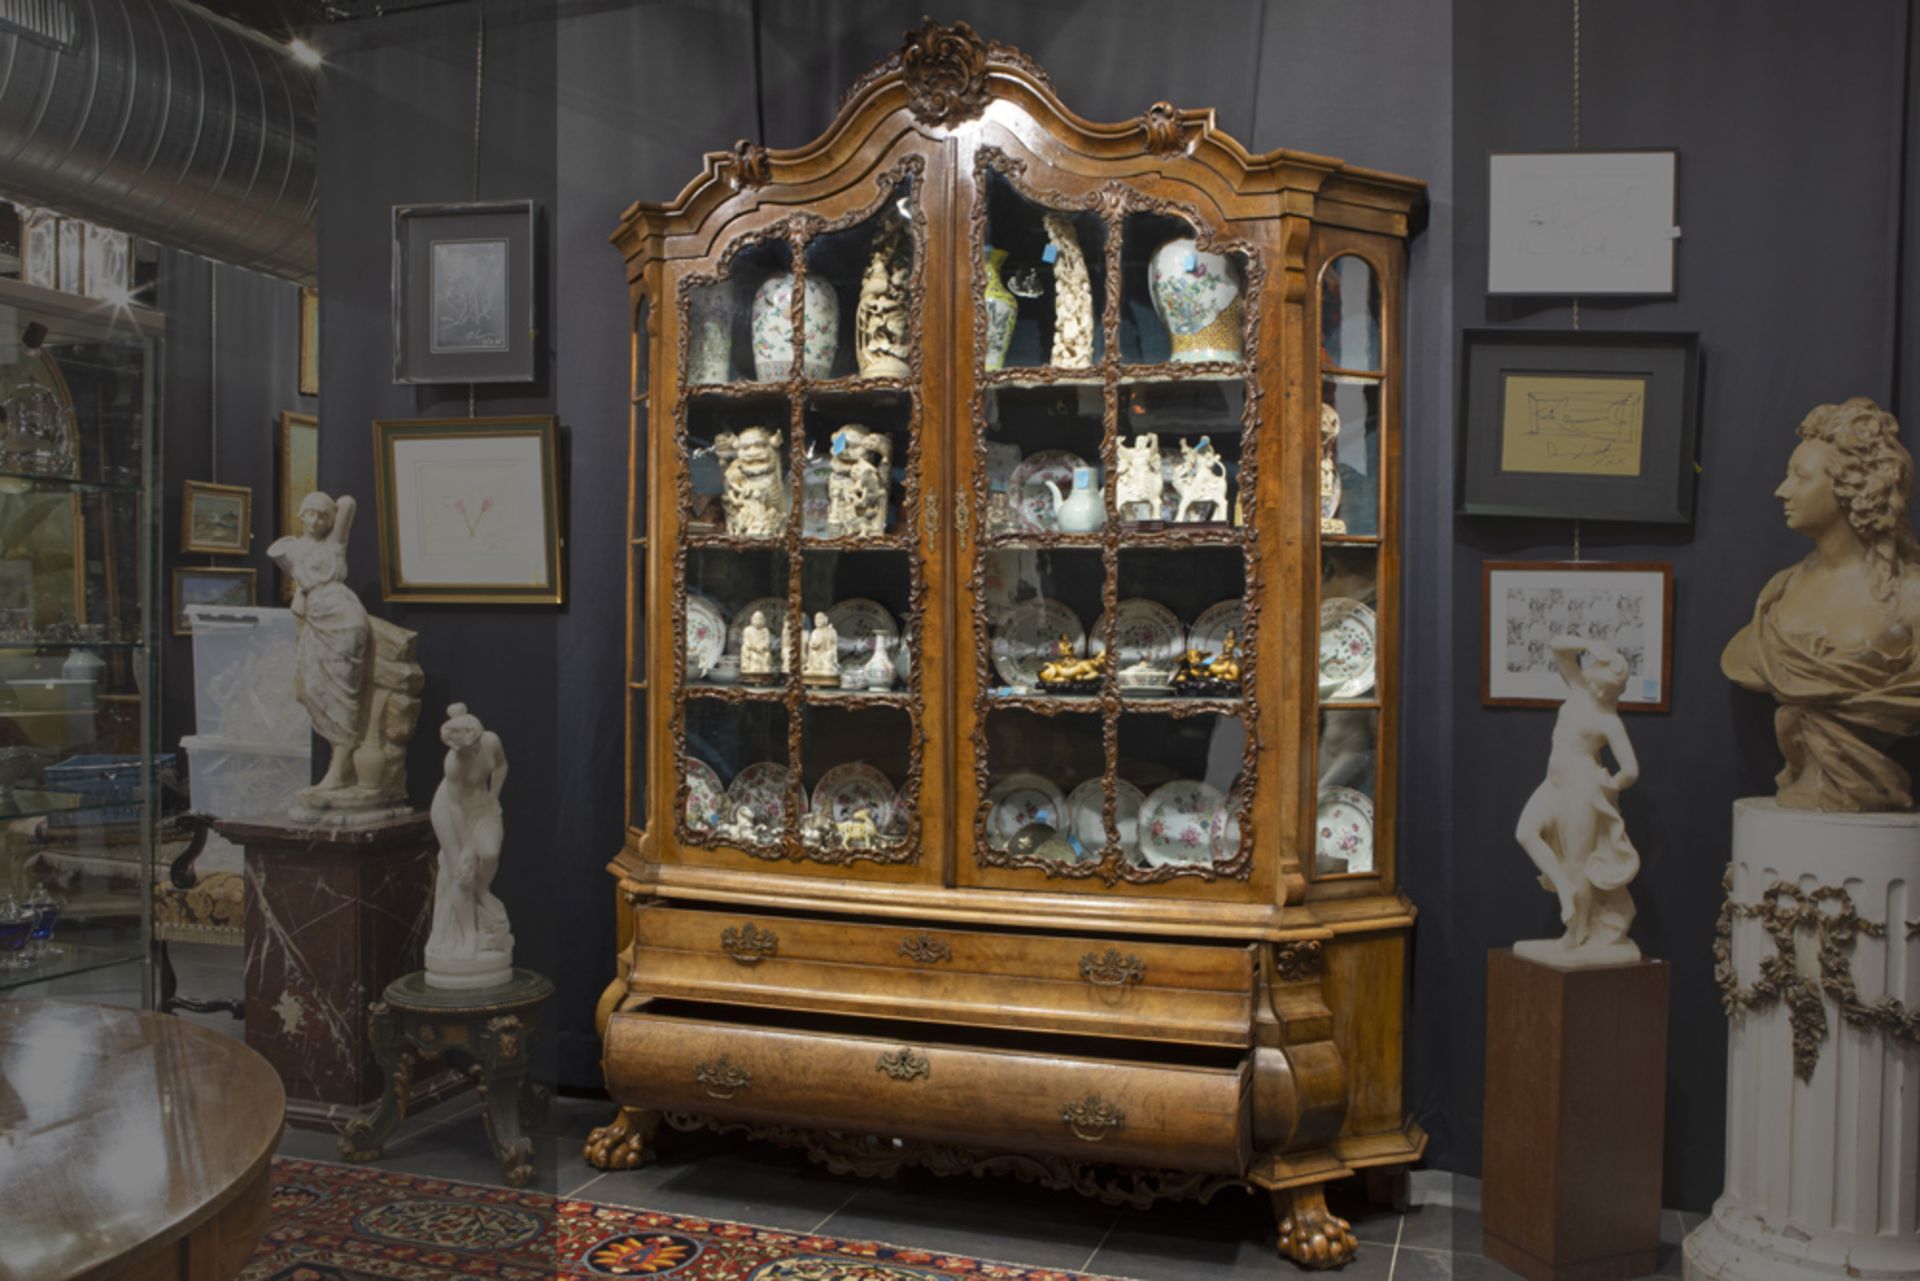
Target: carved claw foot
<point x="516" y="1162"/>
<point x="1310" y="1234"/>
<point x="625" y="1143"/>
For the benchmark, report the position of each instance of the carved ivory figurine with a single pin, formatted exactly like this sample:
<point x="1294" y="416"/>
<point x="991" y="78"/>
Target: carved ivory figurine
<point x="1141" y="481"/>
<point x="857" y="481"/>
<point x="1571" y="826"/>
<point x="755" y="496"/>
<point x="821" y="663"/>
<point x="1072" y="297"/>
<point x="1832" y="637"/>
<point x="756" y="647"/>
<point x="1200" y="479"/>
<point x="1330" y="522"/>
<point x="882" y="330"/>
<point x="354" y="674"/>
<point x="471" y="945"/>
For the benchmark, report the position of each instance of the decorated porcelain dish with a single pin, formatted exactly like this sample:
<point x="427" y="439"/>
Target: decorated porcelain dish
<point x="1032" y="500"/>
<point x="1175" y="822"/>
<point x="763" y="787"/>
<point x="1223" y="834"/>
<point x="1147" y="633"/>
<point x="706" y="635"/>
<point x="858" y="620"/>
<point x="1084" y="808"/>
<point x="1343" y="828"/>
<point x="774" y="607"/>
<point x="1028" y="638"/>
<point x="1346" y="648"/>
<point x="704" y="795"/>
<point x="1209" y="631"/>
<point x="854" y="786"/>
<point x="1017" y="800"/>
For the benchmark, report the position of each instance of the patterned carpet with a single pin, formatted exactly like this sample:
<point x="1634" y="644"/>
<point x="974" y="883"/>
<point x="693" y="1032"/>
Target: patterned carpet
<point x="353" y="1223"/>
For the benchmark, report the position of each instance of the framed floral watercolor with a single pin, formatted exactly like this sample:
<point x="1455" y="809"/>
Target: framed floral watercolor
<point x="469" y="510"/>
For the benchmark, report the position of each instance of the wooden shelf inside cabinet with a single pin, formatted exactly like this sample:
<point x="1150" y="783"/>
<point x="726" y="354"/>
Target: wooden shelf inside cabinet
<point x="952" y="170"/>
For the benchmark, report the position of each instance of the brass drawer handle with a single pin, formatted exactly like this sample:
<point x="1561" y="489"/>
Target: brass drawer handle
<point x="1093" y="1118"/>
<point x="721" y="1079"/>
<point x="1113" y="969"/>
<point x="749" y="945"/>
<point x="904" y="1064"/>
<point x="924" y="949"/>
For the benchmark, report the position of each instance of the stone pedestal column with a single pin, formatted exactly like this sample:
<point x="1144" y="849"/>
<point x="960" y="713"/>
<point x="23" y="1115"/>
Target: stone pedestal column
<point x="333" y="914"/>
<point x="1820" y="959"/>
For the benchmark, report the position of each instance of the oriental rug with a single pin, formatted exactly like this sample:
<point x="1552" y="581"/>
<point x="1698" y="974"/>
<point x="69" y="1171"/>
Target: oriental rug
<point x="355" y="1223"/>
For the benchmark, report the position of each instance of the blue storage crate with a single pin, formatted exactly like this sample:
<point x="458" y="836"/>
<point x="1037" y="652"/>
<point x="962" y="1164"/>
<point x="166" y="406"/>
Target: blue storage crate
<point x="100" y="781"/>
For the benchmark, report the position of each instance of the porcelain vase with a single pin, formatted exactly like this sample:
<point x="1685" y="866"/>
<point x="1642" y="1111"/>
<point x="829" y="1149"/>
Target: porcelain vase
<point x="1197" y="296"/>
<point x="773" y="328"/>
<point x="1002" y="309"/>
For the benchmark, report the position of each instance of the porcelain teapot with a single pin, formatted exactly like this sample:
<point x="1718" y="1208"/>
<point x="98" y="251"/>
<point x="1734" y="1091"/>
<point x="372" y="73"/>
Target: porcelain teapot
<point x="1080" y="512"/>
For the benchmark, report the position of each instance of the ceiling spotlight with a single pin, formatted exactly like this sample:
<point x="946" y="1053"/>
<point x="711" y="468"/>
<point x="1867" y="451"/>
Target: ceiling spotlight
<point x="303" y="53"/>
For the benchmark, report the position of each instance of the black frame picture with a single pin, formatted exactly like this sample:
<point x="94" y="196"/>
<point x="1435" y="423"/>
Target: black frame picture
<point x="463" y="292"/>
<point x="1579" y="426"/>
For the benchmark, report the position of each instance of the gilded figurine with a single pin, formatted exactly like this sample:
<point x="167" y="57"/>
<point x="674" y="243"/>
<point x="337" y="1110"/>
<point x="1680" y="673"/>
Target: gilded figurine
<point x="1571" y="826"/>
<point x="1227" y="666"/>
<point x="1069" y="668"/>
<point x="1832" y="637"/>
<point x="755" y="496"/>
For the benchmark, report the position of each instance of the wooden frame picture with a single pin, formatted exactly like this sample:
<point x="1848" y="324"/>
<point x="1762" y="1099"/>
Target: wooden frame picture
<point x="297" y="474"/>
<point x="463" y="295"/>
<point x="309" y="341"/>
<point x="469" y="510"/>
<point x="1582" y="426"/>
<point x="1525" y="603"/>
<point x="1582" y="223"/>
<point x="208" y="585"/>
<point x="215" y="520"/>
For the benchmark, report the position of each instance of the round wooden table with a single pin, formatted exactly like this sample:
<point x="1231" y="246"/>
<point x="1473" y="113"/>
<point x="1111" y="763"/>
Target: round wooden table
<point x="132" y="1144"/>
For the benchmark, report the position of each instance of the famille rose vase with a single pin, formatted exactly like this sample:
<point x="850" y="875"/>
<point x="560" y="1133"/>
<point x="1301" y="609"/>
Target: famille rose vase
<point x="1197" y="295"/>
<point x="1002" y="307"/>
<point x="773" y="328"/>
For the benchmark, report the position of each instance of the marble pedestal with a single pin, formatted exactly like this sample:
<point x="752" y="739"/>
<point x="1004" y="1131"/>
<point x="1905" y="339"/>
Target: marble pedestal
<point x="1575" y="1111"/>
<point x="333" y="915"/>
<point x="1823" y="1053"/>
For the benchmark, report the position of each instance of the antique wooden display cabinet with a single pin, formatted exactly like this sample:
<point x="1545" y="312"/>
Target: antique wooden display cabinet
<point x="1012" y="665"/>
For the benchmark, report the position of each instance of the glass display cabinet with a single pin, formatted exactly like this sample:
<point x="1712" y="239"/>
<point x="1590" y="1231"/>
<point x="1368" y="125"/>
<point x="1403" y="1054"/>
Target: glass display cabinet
<point x="1012" y="650"/>
<point x="78" y="397"/>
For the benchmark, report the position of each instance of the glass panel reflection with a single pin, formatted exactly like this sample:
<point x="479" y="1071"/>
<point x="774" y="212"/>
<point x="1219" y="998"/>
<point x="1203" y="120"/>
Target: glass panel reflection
<point x="855" y="777"/>
<point x="738" y="786"/>
<point x="737" y="329"/>
<point x="1350" y="315"/>
<point x="1349" y="624"/>
<point x="1344" y="813"/>
<point x="866" y="272"/>
<point x="1188" y="772"/>
<point x="1039" y="604"/>
<point x="1043" y="283"/>
<point x="1350" y="456"/>
<point x="725" y="590"/>
<point x="1034" y="764"/>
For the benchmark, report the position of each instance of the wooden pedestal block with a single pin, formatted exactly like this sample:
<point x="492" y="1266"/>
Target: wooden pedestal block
<point x="333" y="915"/>
<point x="1575" y="1112"/>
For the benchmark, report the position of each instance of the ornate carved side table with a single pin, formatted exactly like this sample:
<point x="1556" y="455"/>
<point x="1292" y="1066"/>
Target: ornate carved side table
<point x="493" y="1026"/>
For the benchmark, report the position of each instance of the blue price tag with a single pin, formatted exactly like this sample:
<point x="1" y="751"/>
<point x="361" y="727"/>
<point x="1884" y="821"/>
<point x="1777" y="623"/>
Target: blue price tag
<point x="1050" y="253"/>
<point x="839" y="444"/>
<point x="1193" y="261"/>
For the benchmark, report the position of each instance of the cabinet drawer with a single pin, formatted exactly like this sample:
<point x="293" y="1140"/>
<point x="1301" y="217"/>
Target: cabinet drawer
<point x="1132" y="1113"/>
<point x="1186" y="993"/>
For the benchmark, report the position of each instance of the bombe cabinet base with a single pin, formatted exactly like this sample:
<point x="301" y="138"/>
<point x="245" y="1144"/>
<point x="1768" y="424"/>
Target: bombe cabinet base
<point x="1575" y="1110"/>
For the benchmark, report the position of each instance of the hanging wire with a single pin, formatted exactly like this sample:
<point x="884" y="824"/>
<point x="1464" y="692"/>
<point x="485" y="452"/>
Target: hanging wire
<point x="213" y="372"/>
<point x="479" y="85"/>
<point x="1576" y="147"/>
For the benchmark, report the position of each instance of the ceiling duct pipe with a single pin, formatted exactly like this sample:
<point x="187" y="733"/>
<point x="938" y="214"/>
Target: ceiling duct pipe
<point x="157" y="118"/>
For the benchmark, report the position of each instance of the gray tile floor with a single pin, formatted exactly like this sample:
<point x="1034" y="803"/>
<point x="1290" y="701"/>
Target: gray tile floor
<point x="717" y="1176"/>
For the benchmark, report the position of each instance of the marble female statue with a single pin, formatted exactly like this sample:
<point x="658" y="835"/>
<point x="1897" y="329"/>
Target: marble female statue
<point x="1832" y="637"/>
<point x="1571" y="826"/>
<point x="471" y="945"/>
<point x="330" y="651"/>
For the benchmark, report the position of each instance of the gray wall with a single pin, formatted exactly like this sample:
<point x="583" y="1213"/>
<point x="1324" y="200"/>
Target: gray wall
<point x="1789" y="134"/>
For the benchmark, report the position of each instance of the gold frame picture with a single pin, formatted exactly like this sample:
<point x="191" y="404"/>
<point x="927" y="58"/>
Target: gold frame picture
<point x="470" y="510"/>
<point x="296" y="474"/>
<point x="309" y="341"/>
<point x="183" y="572"/>
<point x="209" y="522"/>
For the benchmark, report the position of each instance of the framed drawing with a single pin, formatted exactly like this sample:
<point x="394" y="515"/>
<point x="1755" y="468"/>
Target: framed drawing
<point x="298" y="470"/>
<point x="1586" y="426"/>
<point x="215" y="519"/>
<point x="208" y="585"/>
<point x="463" y="292"/>
<point x="1581" y="223"/>
<point x="1525" y="603"/>
<point x="309" y="341"/>
<point x="469" y="510"/>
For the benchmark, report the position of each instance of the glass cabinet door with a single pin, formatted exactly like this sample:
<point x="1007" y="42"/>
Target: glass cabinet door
<point x="801" y="579"/>
<point x="1110" y="447"/>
